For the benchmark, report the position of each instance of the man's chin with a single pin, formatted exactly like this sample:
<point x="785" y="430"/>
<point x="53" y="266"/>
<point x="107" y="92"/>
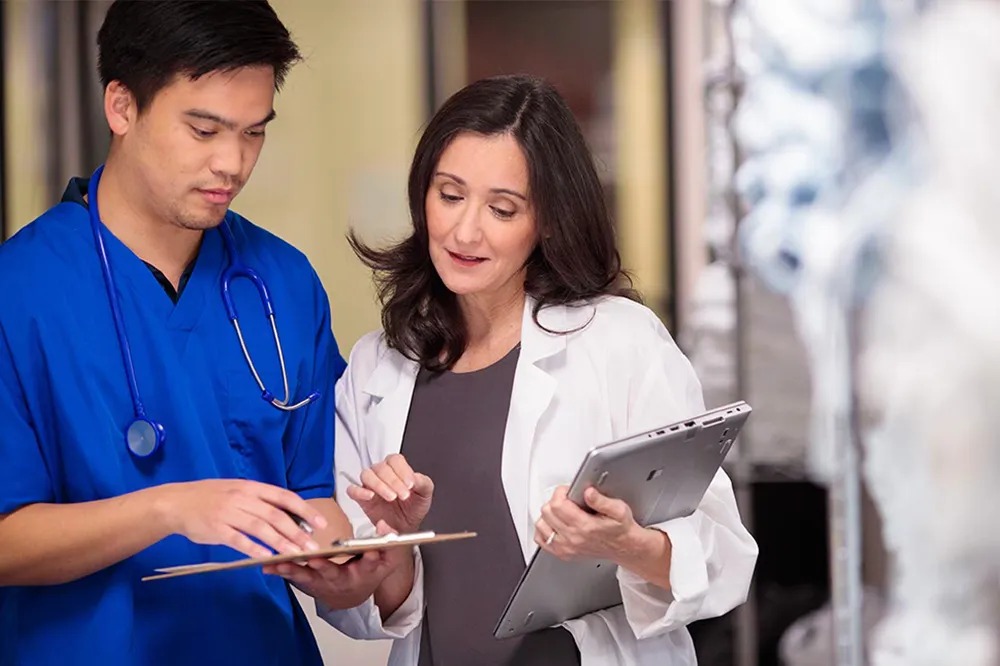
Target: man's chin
<point x="200" y="224"/>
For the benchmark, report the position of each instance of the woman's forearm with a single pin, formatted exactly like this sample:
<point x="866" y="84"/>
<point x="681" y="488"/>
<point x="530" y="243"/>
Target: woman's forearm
<point x="396" y="587"/>
<point x="648" y="556"/>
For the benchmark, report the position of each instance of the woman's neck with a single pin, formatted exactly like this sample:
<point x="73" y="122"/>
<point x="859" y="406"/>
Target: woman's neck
<point x="493" y="328"/>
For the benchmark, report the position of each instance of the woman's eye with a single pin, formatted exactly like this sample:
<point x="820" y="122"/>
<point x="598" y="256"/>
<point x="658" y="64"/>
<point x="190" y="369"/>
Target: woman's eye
<point x="450" y="198"/>
<point x="502" y="213"/>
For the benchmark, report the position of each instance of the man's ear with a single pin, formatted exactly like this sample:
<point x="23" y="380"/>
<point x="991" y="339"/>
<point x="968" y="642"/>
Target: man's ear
<point x="120" y="108"/>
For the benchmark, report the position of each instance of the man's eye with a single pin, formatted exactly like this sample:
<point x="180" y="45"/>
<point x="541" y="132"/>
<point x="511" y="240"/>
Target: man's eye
<point x="202" y="133"/>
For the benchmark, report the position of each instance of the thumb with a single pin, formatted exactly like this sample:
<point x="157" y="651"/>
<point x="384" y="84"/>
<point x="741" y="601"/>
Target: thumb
<point x="382" y="528"/>
<point x="604" y="505"/>
<point x="422" y="485"/>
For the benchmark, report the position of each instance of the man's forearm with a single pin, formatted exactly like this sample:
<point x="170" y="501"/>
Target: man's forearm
<point x="49" y="544"/>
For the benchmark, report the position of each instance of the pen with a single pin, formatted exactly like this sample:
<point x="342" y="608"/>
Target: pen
<point x="301" y="522"/>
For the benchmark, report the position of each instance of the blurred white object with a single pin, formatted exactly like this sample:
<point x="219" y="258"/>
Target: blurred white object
<point x="872" y="166"/>
<point x="931" y="356"/>
<point x="809" y="641"/>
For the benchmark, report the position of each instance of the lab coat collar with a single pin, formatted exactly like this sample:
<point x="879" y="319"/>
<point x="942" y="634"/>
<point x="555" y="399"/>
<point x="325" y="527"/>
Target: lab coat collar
<point x="531" y="395"/>
<point x="536" y="344"/>
<point x="391" y="384"/>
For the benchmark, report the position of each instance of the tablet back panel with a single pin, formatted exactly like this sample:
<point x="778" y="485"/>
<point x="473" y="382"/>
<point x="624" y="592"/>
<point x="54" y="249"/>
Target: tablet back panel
<point x="661" y="474"/>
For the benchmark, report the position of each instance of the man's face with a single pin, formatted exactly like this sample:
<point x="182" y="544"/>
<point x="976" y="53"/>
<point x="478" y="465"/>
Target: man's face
<point x="194" y="146"/>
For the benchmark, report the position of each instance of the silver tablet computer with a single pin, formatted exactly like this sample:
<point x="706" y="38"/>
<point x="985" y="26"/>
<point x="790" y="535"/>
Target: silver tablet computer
<point x="662" y="474"/>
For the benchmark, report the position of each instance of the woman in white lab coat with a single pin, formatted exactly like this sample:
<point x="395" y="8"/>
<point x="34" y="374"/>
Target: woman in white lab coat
<point x="512" y="276"/>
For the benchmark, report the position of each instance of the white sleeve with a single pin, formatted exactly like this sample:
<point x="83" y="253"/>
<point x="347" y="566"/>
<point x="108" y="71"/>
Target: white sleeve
<point x="351" y="456"/>
<point x="712" y="553"/>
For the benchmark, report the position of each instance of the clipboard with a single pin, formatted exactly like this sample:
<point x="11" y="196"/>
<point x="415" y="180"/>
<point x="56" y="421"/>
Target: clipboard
<point x="355" y="547"/>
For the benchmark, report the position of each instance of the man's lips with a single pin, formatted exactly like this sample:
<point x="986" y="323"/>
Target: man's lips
<point x="218" y="196"/>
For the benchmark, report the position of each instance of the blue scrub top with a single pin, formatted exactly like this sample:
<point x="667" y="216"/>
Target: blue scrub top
<point x="64" y="406"/>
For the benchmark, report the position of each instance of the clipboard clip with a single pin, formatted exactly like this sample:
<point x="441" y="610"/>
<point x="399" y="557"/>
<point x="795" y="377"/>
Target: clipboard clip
<point x="386" y="540"/>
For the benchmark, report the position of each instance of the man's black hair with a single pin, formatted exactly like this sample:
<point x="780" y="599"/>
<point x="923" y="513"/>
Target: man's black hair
<point x="144" y="44"/>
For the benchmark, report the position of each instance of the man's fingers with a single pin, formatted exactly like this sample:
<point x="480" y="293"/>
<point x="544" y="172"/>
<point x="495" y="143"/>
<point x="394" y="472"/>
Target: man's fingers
<point x="275" y="528"/>
<point x="290" y="502"/>
<point x="322" y="565"/>
<point x="302" y="577"/>
<point x="240" y="542"/>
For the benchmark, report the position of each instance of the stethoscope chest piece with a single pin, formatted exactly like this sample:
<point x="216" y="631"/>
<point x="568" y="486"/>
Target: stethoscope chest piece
<point x="144" y="437"/>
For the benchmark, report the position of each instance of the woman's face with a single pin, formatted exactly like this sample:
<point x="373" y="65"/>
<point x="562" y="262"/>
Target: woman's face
<point x="480" y="222"/>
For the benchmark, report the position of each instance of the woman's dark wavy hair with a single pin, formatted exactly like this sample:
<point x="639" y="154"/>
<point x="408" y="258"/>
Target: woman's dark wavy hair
<point x="576" y="258"/>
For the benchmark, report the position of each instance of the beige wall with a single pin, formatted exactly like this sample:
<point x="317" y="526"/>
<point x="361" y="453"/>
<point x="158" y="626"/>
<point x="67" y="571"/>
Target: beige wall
<point x="640" y="107"/>
<point x="26" y="102"/>
<point x="337" y="157"/>
<point x="338" y="154"/>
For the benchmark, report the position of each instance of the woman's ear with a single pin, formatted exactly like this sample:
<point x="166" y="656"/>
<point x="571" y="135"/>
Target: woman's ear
<point x="119" y="108"/>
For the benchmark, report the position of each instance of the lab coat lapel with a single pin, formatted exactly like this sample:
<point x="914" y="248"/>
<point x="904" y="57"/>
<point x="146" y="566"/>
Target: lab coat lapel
<point x="530" y="397"/>
<point x="391" y="385"/>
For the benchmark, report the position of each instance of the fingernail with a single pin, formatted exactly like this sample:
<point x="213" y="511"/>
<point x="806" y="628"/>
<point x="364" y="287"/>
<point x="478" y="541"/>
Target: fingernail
<point x="319" y="521"/>
<point x="392" y="497"/>
<point x="404" y="496"/>
<point x="410" y="483"/>
<point x="312" y="545"/>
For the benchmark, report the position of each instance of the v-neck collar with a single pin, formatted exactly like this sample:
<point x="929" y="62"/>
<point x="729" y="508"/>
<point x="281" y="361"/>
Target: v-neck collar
<point x="181" y="312"/>
<point x="205" y="275"/>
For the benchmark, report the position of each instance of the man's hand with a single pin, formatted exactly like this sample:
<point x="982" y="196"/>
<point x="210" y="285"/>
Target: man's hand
<point x="391" y="491"/>
<point x="346" y="585"/>
<point x="231" y="511"/>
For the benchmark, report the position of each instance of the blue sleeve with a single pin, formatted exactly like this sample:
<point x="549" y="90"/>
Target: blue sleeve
<point x="24" y="476"/>
<point x="310" y="455"/>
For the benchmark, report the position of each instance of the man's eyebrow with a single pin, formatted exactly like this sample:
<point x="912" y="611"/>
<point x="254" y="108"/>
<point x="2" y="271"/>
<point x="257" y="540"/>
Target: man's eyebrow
<point x="225" y="122"/>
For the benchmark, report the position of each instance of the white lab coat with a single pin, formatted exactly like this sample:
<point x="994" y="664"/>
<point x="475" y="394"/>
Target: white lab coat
<point x="620" y="374"/>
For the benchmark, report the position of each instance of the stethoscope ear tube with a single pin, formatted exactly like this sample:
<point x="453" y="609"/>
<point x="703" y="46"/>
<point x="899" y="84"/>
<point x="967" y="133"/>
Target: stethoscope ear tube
<point x="144" y="436"/>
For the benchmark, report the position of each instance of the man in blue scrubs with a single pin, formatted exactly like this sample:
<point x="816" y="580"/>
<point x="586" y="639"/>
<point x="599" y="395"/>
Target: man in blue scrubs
<point x="189" y="90"/>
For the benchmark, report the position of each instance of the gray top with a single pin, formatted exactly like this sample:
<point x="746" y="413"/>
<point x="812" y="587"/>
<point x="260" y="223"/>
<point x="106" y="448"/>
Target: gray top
<point x="454" y="434"/>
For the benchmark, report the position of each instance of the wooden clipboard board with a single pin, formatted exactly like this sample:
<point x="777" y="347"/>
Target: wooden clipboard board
<point x="346" y="547"/>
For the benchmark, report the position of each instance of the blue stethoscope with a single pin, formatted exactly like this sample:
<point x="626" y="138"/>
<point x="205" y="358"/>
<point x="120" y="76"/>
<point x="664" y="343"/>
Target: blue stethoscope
<point x="144" y="435"/>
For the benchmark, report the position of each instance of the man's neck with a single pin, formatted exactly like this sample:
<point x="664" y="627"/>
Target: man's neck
<point x="156" y="241"/>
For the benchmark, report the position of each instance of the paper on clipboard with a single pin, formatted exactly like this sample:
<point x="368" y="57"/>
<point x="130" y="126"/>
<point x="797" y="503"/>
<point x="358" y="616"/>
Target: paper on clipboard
<point x="343" y="547"/>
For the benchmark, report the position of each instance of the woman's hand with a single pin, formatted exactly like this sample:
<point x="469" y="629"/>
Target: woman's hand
<point x="391" y="491"/>
<point x="610" y="533"/>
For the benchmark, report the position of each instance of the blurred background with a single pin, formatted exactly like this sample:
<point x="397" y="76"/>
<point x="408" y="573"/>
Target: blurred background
<point x="722" y="129"/>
